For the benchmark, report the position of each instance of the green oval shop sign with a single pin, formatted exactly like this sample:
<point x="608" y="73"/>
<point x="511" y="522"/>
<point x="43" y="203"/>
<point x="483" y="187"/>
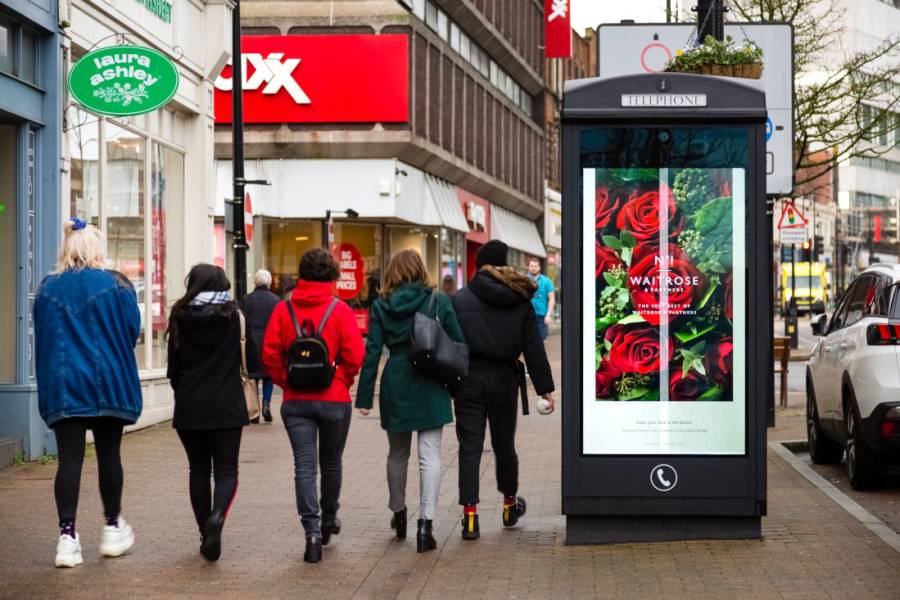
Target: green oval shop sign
<point x="123" y="80"/>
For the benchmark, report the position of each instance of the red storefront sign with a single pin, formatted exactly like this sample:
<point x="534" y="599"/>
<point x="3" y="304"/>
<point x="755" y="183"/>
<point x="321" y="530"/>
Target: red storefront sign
<point x="352" y="271"/>
<point x="320" y="79"/>
<point x="876" y="228"/>
<point x="557" y="29"/>
<point x="478" y="215"/>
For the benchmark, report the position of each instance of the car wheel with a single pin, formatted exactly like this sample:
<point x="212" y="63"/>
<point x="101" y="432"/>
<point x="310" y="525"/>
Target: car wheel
<point x="822" y="449"/>
<point x="865" y="469"/>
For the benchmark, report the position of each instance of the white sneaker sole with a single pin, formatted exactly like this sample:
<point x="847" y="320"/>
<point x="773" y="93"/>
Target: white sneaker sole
<point x="118" y="548"/>
<point x="69" y="560"/>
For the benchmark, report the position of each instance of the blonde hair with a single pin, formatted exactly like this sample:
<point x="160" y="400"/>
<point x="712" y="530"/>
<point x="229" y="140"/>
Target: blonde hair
<point x="83" y="248"/>
<point x="405" y="267"/>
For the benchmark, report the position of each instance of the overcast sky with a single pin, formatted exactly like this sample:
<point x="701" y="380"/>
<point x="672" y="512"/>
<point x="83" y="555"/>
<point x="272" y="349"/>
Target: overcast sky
<point x="590" y="13"/>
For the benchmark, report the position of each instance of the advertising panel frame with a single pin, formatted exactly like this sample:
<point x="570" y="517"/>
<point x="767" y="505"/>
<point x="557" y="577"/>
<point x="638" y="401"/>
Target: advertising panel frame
<point x="610" y="498"/>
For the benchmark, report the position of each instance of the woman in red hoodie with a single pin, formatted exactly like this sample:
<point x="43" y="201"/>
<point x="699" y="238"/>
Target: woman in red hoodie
<point x="310" y="413"/>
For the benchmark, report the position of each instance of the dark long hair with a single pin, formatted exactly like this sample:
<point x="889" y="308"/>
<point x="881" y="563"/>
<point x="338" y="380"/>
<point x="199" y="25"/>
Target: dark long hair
<point x="202" y="278"/>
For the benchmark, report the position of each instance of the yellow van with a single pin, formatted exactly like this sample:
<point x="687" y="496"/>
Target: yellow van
<point x="811" y="287"/>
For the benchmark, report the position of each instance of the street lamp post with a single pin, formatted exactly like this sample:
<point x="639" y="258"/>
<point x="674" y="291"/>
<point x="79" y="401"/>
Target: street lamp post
<point x="710" y="19"/>
<point x="237" y="149"/>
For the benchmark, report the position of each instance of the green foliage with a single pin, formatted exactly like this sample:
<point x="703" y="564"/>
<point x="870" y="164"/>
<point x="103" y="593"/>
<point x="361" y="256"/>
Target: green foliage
<point x="692" y="358"/>
<point x="19" y="458"/>
<point x="715" y="52"/>
<point x="47" y="459"/>
<point x="692" y="187"/>
<point x="712" y="394"/>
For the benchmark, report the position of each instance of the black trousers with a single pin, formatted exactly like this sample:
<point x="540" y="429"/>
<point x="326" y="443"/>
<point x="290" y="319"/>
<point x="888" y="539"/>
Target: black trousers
<point x="70" y="442"/>
<point x="216" y="452"/>
<point x="489" y="395"/>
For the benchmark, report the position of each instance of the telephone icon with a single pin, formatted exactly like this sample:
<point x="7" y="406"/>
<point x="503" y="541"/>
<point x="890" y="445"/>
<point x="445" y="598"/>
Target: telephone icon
<point x="663" y="478"/>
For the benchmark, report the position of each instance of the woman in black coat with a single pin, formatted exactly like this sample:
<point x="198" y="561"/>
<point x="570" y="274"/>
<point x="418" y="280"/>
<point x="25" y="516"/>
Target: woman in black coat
<point x="210" y="409"/>
<point x="258" y="305"/>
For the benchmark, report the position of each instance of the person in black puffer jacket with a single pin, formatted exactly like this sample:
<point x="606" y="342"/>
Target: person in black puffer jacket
<point x="498" y="322"/>
<point x="259" y="305"/>
<point x="210" y="408"/>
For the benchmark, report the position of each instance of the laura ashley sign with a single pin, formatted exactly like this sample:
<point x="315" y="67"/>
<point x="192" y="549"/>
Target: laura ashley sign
<point x="663" y="100"/>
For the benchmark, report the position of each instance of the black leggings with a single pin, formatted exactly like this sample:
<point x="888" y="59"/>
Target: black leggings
<point x="215" y="451"/>
<point x="70" y="445"/>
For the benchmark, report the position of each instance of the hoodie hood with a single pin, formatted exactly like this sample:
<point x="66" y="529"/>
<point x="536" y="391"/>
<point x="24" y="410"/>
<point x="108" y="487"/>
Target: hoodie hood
<point x="407" y="299"/>
<point x="312" y="293"/>
<point x="502" y="286"/>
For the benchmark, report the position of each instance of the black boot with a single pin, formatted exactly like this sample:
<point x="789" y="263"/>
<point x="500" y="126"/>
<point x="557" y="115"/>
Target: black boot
<point x="313" y="552"/>
<point x="267" y="413"/>
<point x="513" y="512"/>
<point x="424" y="539"/>
<point x="470" y="529"/>
<point x="398" y="524"/>
<point x="329" y="528"/>
<point x="211" y="547"/>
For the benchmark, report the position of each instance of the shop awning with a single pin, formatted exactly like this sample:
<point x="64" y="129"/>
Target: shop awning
<point x="445" y="201"/>
<point x="518" y="232"/>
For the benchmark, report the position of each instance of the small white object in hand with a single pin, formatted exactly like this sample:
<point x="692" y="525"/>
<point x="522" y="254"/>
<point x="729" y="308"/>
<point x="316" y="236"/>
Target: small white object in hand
<point x="543" y="406"/>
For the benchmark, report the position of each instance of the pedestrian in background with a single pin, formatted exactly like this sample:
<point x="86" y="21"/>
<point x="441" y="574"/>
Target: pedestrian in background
<point x="87" y="324"/>
<point x="448" y="285"/>
<point x="311" y="413"/>
<point x="204" y="337"/>
<point x="499" y="324"/>
<point x="409" y="401"/>
<point x="544" y="299"/>
<point x="258" y="306"/>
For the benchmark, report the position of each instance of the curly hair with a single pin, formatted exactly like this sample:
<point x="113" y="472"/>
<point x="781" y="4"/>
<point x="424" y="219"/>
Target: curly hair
<point x="317" y="264"/>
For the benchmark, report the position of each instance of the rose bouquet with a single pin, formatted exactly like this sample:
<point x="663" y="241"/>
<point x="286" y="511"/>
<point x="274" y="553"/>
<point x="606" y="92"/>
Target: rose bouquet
<point x="664" y="287"/>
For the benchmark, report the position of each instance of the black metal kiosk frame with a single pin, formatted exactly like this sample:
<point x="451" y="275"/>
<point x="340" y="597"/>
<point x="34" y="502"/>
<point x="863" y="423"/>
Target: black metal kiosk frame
<point x="611" y="495"/>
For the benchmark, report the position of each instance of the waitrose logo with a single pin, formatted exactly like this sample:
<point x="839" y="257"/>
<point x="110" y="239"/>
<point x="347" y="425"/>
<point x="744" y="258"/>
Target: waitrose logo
<point x="663" y="100"/>
<point x="123" y="80"/>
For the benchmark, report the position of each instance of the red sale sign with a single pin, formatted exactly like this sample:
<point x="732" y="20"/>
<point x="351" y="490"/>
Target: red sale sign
<point x="320" y="79"/>
<point x="557" y="29"/>
<point x="352" y="271"/>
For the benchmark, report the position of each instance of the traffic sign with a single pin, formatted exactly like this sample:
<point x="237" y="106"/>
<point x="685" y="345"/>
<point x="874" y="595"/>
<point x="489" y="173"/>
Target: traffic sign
<point x="791" y="217"/>
<point x="629" y="49"/>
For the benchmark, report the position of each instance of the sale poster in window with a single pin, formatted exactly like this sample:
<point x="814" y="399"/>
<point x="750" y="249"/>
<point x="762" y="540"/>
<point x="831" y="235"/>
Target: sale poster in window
<point x="664" y="343"/>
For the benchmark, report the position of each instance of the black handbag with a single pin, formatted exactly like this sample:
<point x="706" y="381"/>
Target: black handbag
<point x="433" y="352"/>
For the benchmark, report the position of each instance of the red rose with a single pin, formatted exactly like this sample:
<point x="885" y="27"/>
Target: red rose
<point x="640" y="216"/>
<point x="606" y="380"/>
<point x="688" y="387"/>
<point x="635" y="349"/>
<point x="603" y="208"/>
<point x="606" y="260"/>
<point x="651" y="271"/>
<point x="729" y="300"/>
<point x="718" y="360"/>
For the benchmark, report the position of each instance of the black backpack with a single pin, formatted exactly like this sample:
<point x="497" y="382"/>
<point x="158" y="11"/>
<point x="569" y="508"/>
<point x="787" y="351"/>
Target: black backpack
<point x="308" y="365"/>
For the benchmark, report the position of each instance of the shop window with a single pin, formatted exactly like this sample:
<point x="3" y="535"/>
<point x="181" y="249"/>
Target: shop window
<point x="7" y="47"/>
<point x="283" y="242"/>
<point x="453" y="246"/>
<point x="423" y="240"/>
<point x="431" y="15"/>
<point x="83" y="137"/>
<point x="28" y="69"/>
<point x="123" y="210"/>
<point x="8" y="251"/>
<point x="366" y="238"/>
<point x="167" y="242"/>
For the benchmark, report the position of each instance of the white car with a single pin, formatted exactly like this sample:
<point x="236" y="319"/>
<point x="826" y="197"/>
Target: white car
<point x="853" y="379"/>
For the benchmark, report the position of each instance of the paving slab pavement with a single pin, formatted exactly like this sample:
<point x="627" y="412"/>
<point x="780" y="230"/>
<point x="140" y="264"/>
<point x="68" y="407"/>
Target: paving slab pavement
<point x="811" y="548"/>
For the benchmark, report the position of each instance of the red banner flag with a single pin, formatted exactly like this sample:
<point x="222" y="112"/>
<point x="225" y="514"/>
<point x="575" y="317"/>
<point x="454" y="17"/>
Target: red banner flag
<point x="876" y="228"/>
<point x="558" y="29"/>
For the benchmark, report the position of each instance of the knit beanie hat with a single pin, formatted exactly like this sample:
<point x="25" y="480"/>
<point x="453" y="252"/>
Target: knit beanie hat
<point x="493" y="253"/>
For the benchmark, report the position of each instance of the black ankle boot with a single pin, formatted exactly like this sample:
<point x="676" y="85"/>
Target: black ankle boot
<point x="513" y="512"/>
<point x="211" y="547"/>
<point x="424" y="539"/>
<point x="398" y="524"/>
<point x="329" y="528"/>
<point x="313" y="552"/>
<point x="267" y="413"/>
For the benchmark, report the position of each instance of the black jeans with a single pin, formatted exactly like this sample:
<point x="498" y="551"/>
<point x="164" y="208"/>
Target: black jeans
<point x="70" y="444"/>
<point x="213" y="451"/>
<point x="304" y="420"/>
<point x="489" y="395"/>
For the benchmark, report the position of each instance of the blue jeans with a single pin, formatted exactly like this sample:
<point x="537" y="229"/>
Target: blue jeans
<point x="541" y="327"/>
<point x="268" y="387"/>
<point x="306" y="420"/>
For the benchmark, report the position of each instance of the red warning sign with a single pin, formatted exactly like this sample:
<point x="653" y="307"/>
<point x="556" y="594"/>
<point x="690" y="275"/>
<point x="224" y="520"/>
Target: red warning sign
<point x="790" y="216"/>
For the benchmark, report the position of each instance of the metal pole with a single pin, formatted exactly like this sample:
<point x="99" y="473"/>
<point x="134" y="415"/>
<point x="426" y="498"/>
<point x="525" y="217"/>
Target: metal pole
<point x="710" y="19"/>
<point x="792" y="314"/>
<point x="237" y="148"/>
<point x="326" y="231"/>
<point x="668" y="11"/>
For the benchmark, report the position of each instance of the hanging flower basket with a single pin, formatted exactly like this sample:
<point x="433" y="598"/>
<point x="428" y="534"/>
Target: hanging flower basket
<point x="720" y="58"/>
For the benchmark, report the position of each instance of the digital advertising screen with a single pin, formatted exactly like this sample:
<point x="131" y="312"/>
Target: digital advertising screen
<point x="664" y="332"/>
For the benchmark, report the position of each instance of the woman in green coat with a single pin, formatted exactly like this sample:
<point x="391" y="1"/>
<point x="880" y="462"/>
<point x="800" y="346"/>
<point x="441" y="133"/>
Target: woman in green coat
<point x="408" y="400"/>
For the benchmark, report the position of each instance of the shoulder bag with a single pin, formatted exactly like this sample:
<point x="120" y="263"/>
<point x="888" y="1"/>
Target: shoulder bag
<point x="433" y="352"/>
<point x="251" y="392"/>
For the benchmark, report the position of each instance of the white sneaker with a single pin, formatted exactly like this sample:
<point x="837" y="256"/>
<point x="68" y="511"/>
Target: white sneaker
<point x="116" y="540"/>
<point x="68" y="551"/>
